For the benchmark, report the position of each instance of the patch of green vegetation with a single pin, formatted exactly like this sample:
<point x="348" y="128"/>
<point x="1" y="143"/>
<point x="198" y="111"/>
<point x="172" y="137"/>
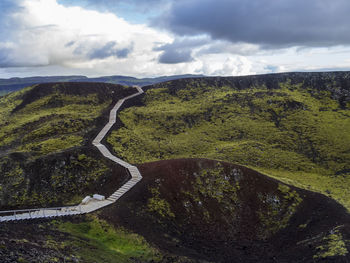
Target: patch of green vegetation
<point x="97" y="241"/>
<point x="302" y="226"/>
<point x="214" y="184"/>
<point x="292" y="132"/>
<point x="21" y="260"/>
<point x="277" y="210"/>
<point x="158" y="205"/>
<point x="334" y="246"/>
<point x="290" y="195"/>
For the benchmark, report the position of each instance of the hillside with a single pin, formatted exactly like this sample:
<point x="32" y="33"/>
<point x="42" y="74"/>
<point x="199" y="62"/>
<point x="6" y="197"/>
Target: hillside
<point x="46" y="156"/>
<point x="220" y="212"/>
<point x="14" y="84"/>
<point x="273" y="138"/>
<point x="293" y="126"/>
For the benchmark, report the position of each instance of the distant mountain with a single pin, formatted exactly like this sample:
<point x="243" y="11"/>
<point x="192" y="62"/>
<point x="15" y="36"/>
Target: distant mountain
<point x="14" y="84"/>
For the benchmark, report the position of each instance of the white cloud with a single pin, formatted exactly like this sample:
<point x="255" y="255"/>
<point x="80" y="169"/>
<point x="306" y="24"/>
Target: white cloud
<point x="52" y="34"/>
<point x="50" y="38"/>
<point x="226" y="65"/>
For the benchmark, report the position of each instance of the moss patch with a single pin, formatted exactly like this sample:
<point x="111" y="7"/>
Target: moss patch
<point x="213" y="185"/>
<point x="334" y="245"/>
<point x="277" y="210"/>
<point x="159" y="205"/>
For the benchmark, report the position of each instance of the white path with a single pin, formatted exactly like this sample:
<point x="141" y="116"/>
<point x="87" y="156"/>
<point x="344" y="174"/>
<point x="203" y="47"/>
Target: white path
<point x="93" y="205"/>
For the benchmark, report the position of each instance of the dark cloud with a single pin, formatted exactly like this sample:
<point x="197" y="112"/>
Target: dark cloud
<point x="69" y="44"/>
<point x="185" y="43"/>
<point x="269" y="23"/>
<point x="114" y="5"/>
<point x="103" y="52"/>
<point x="175" y="57"/>
<point x="110" y="50"/>
<point x="180" y="50"/>
<point x="123" y="53"/>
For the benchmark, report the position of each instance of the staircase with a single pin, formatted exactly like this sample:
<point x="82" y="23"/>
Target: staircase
<point x="27" y="214"/>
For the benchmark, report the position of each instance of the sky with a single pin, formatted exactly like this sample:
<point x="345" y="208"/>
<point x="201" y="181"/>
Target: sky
<point x="149" y="38"/>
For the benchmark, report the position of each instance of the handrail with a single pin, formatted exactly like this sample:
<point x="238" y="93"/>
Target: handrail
<point x="36" y="209"/>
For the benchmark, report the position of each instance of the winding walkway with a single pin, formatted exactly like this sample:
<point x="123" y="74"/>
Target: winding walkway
<point x="13" y="215"/>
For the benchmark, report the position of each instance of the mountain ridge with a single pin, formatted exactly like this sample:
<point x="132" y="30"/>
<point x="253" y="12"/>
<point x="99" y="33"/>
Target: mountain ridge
<point x="14" y="84"/>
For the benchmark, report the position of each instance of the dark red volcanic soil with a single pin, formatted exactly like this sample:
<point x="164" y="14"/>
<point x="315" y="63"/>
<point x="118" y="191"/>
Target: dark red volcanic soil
<point x="246" y="223"/>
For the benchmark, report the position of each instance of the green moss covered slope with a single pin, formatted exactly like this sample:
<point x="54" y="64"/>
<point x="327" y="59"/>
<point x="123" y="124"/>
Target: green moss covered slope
<point x="294" y="127"/>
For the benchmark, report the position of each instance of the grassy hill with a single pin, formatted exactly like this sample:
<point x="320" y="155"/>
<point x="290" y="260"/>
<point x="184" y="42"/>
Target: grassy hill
<point x="294" y="127"/>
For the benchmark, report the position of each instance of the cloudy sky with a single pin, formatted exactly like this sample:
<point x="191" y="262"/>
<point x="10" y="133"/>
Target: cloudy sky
<point x="146" y="38"/>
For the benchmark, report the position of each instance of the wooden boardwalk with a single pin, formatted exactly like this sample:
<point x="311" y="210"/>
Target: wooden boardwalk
<point x="14" y="215"/>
